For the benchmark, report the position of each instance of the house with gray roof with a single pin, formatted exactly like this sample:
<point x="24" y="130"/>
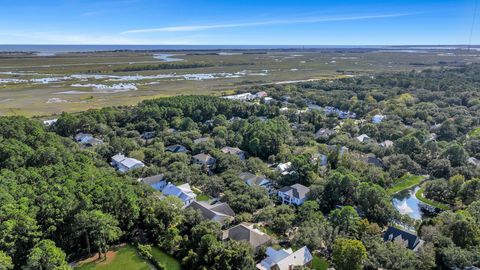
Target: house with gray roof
<point x="201" y="140"/>
<point x="87" y="139"/>
<point x="324" y="133"/>
<point x="295" y="194"/>
<point x="218" y="212"/>
<point x="157" y="182"/>
<point x="404" y="238"/>
<point x="255" y="180"/>
<point x="176" y="148"/>
<point x="246" y="232"/>
<point x="234" y="151"/>
<point x="125" y="164"/>
<point x="204" y="160"/>
<point x="147" y="135"/>
<point x="285" y="259"/>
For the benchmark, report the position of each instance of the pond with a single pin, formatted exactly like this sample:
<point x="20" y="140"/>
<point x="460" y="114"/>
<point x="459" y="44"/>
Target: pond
<point x="407" y="204"/>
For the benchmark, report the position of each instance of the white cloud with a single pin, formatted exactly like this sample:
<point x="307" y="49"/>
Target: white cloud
<point x="192" y="28"/>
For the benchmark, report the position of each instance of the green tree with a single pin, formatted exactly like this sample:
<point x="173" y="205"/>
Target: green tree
<point x="374" y="202"/>
<point x="5" y="261"/>
<point x="98" y="229"/>
<point x="349" y="254"/>
<point x="456" y="154"/>
<point x="345" y="219"/>
<point x="339" y="190"/>
<point x="46" y="256"/>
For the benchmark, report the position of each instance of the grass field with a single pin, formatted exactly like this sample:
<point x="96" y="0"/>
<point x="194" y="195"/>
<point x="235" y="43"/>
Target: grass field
<point x="405" y="182"/>
<point x="168" y="261"/>
<point x="200" y="195"/>
<point x="27" y="88"/>
<point x="125" y="257"/>
<point x="319" y="263"/>
<point x="438" y="205"/>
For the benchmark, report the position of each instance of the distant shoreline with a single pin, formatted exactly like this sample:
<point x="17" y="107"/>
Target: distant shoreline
<point x="162" y="48"/>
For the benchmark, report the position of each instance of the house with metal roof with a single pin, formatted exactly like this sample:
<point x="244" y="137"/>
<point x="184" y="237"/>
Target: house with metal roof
<point x="125" y="164"/>
<point x="183" y="192"/>
<point x="285" y="259"/>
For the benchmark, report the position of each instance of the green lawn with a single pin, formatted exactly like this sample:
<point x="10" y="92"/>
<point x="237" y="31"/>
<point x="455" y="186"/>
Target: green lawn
<point x="125" y="257"/>
<point x="438" y="205"/>
<point x="319" y="263"/>
<point x="168" y="261"/>
<point x="405" y="182"/>
<point x="269" y="231"/>
<point x="200" y="195"/>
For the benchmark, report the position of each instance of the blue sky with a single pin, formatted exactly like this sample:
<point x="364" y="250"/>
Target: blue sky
<point x="238" y="22"/>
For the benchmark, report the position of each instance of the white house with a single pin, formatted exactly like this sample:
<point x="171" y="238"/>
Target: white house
<point x="183" y="192"/>
<point x="386" y="144"/>
<point x="363" y="138"/>
<point x="50" y="122"/>
<point x="285" y="259"/>
<point x="295" y="194"/>
<point x="243" y="96"/>
<point x="267" y="100"/>
<point x="284" y="168"/>
<point x="376" y="119"/>
<point x="474" y="161"/>
<point x="125" y="164"/>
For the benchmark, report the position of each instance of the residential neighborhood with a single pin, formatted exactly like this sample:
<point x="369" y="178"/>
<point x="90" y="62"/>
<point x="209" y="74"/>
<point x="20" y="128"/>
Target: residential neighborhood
<point x="205" y="182"/>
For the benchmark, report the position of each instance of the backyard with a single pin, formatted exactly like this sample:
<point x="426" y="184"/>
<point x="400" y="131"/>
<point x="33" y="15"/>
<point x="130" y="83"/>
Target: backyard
<point x="127" y="257"/>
